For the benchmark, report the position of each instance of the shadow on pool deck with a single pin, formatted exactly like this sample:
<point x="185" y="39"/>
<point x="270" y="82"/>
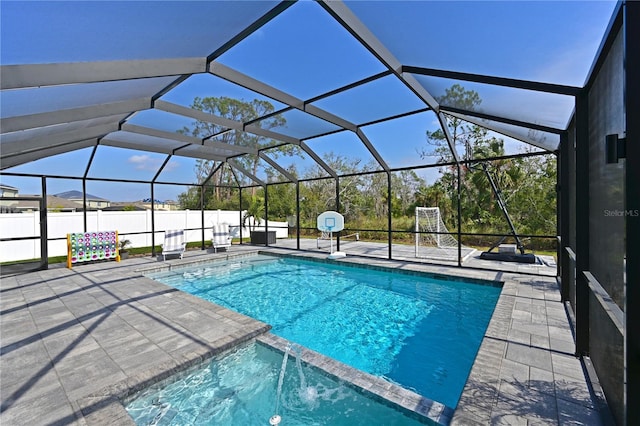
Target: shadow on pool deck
<point x="74" y="341"/>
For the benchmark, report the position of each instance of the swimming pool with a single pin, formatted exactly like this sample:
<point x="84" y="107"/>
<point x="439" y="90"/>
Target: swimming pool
<point x="420" y="332"/>
<point x="243" y="387"/>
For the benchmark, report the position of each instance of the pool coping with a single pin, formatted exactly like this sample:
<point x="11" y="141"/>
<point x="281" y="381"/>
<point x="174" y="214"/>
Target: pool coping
<point x="107" y="406"/>
<point x="409" y="403"/>
<point x="410" y="272"/>
<point x="394" y="396"/>
<point x="165" y="267"/>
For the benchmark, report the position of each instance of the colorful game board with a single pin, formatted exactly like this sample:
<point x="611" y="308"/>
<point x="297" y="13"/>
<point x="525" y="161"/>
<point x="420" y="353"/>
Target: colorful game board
<point x="90" y="246"/>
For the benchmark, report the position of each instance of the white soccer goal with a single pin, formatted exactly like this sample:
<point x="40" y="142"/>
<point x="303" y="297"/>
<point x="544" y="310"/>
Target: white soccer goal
<point x="432" y="236"/>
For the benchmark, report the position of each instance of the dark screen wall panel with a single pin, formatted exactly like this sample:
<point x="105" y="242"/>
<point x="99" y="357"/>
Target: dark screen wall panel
<point x="606" y="348"/>
<point x="607" y="227"/>
<point x="606" y="181"/>
<point x="632" y="195"/>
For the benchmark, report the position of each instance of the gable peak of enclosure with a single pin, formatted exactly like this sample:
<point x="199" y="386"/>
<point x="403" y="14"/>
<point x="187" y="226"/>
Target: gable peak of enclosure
<point x="301" y="72"/>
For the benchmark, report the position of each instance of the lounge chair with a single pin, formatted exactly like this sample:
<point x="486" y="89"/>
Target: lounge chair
<point x="173" y="243"/>
<point x="221" y="237"/>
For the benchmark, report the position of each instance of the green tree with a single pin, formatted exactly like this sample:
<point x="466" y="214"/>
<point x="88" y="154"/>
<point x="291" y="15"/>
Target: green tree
<point x="463" y="134"/>
<point x="254" y="213"/>
<point x="320" y="195"/>
<point x="190" y="199"/>
<point x="527" y="185"/>
<point x="282" y="201"/>
<point x="534" y="200"/>
<point x="404" y="186"/>
<point x="222" y="181"/>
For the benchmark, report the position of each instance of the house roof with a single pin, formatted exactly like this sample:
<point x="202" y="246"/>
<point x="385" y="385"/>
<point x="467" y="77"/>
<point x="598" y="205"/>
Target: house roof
<point x="77" y="195"/>
<point x="122" y="205"/>
<point x="54" y="202"/>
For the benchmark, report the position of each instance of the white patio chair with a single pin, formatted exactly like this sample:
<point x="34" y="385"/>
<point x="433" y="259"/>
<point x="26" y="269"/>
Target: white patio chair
<point x="173" y="243"/>
<point x="221" y="237"/>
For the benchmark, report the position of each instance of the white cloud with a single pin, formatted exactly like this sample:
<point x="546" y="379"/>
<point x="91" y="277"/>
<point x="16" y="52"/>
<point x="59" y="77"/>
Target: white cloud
<point x="171" y="165"/>
<point x="146" y="162"/>
<point x="143" y="162"/>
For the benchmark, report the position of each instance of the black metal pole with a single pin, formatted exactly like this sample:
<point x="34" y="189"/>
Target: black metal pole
<point x="503" y="208"/>
<point x="266" y="215"/>
<point x="298" y="215"/>
<point x="562" y="216"/>
<point x="84" y="203"/>
<point x="84" y="186"/>
<point x="338" y="210"/>
<point x="202" y="215"/>
<point x="389" y="224"/>
<point x="240" y="211"/>
<point x="582" y="224"/>
<point x="153" y="222"/>
<point x="459" y="196"/>
<point x="44" y="232"/>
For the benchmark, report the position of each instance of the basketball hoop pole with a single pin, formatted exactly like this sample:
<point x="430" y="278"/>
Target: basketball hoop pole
<point x="330" y="239"/>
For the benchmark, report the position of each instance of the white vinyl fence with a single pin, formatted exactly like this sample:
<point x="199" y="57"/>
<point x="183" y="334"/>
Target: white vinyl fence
<point x="59" y="224"/>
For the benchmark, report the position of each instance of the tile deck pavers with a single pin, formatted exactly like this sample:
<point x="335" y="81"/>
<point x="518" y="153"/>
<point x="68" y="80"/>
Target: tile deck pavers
<point x="69" y="334"/>
<point x="73" y="340"/>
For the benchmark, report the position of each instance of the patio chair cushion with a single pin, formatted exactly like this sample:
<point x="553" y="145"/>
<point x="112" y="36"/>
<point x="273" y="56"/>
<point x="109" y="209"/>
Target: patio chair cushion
<point x="173" y="243"/>
<point x="221" y="237"/>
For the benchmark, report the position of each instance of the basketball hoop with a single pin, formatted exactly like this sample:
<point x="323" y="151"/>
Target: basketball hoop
<point x="330" y="221"/>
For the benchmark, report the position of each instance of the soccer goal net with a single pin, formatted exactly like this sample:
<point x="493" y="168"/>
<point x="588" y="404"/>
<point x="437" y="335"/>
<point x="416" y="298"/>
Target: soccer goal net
<point x="432" y="236"/>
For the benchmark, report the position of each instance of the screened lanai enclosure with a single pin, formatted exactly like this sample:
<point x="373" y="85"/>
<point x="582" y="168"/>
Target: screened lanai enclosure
<point x="439" y="130"/>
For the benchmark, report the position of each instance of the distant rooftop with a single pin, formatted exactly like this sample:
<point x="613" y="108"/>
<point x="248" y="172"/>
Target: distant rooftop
<point x="77" y="195"/>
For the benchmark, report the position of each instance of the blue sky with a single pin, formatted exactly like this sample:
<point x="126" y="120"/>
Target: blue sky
<point x="304" y="52"/>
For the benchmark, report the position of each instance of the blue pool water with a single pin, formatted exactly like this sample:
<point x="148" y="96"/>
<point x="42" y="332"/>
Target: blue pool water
<point x="241" y="388"/>
<point x="421" y="333"/>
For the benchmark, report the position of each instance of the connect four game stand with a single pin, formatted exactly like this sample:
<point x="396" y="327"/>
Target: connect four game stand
<point x="92" y="246"/>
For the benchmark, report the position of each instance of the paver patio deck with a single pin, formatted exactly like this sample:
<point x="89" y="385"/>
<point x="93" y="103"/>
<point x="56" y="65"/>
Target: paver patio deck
<point x="75" y="340"/>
